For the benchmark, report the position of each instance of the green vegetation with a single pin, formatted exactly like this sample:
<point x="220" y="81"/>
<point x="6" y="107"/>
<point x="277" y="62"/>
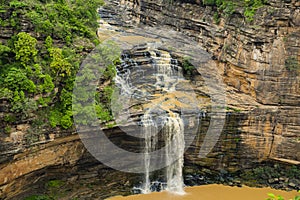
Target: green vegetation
<point x="292" y="63"/>
<point x="39" y="197"/>
<point x="109" y="54"/>
<point x="187" y="66"/>
<point x="54" y="191"/>
<point x="274" y="197"/>
<point x="39" y="62"/>
<point x="231" y="109"/>
<point x="261" y="175"/>
<point x="55" y="183"/>
<point x="228" y="7"/>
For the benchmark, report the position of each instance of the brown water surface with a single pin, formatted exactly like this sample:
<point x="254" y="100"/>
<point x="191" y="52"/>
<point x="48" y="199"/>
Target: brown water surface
<point x="213" y="192"/>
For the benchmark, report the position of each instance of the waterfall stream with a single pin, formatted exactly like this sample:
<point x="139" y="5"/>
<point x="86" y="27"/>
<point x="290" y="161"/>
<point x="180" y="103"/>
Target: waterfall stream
<point x="161" y="119"/>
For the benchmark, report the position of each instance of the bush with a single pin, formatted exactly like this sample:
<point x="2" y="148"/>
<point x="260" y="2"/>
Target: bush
<point x="187" y="66"/>
<point x="25" y="48"/>
<point x="17" y="80"/>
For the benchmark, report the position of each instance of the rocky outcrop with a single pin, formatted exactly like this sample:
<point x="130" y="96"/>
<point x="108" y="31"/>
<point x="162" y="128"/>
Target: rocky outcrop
<point x="66" y="161"/>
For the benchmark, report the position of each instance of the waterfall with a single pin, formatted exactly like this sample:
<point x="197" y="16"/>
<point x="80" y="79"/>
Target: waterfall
<point x="149" y="127"/>
<point x="174" y="131"/>
<point x="169" y="126"/>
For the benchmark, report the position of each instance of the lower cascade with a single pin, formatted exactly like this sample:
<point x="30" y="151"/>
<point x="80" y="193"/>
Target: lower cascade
<point x="162" y="123"/>
<point x="173" y="138"/>
<point x="174" y="131"/>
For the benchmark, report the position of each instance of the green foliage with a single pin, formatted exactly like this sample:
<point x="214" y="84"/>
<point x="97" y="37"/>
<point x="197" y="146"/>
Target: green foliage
<point x="274" y="197"/>
<point x="66" y="121"/>
<point x="22" y="104"/>
<point x="55" y="183"/>
<point x="17" y="4"/>
<point x="9" y="118"/>
<point x="5" y="93"/>
<point x="261" y="175"/>
<point x="59" y="65"/>
<point x="233" y="109"/>
<point x="16" y="79"/>
<point x="228" y="7"/>
<point x="37" y="74"/>
<point x="49" y="43"/>
<point x="47" y="85"/>
<point x="61" y="118"/>
<point x="292" y="63"/>
<point x="216" y="18"/>
<point x="108" y="92"/>
<point x="25" y="48"/>
<point x="53" y="187"/>
<point x="108" y="54"/>
<point x="66" y="20"/>
<point x="293" y="172"/>
<point x="187" y="66"/>
<point x="110" y="72"/>
<point x="39" y="197"/>
<point x="250" y="8"/>
<point x="209" y="2"/>
<point x="55" y="117"/>
<point x="7" y="129"/>
<point x="4" y="49"/>
<point x="103" y="113"/>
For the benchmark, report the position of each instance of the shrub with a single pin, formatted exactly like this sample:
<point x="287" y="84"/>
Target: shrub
<point x="187" y="66"/>
<point x="25" y="48"/>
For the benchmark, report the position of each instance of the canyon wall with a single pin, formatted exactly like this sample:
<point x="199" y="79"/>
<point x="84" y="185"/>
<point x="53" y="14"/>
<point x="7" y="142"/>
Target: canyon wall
<point x="259" y="62"/>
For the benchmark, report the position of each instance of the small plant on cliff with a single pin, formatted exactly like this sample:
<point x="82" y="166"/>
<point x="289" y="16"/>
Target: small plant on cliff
<point x="227" y="7"/>
<point x="39" y="197"/>
<point x="216" y="18"/>
<point x="251" y="7"/>
<point x="187" y="66"/>
<point x="55" y="183"/>
<point x="292" y="64"/>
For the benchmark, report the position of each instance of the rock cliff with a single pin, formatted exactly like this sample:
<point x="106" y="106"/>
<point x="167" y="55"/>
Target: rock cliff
<point x="259" y="62"/>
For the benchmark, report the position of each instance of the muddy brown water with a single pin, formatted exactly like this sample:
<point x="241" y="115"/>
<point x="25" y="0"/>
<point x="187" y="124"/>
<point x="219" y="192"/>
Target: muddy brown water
<point x="212" y="192"/>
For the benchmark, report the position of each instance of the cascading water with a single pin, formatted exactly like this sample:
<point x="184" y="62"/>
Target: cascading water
<point x="174" y="132"/>
<point x="149" y="127"/>
<point x="167" y="74"/>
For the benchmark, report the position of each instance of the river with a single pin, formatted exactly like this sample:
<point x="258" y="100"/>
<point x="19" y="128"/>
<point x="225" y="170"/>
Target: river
<point x="212" y="192"/>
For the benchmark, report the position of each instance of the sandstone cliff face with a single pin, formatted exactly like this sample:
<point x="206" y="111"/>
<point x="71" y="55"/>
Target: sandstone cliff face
<point x="29" y="171"/>
<point x="258" y="62"/>
<point x="254" y="59"/>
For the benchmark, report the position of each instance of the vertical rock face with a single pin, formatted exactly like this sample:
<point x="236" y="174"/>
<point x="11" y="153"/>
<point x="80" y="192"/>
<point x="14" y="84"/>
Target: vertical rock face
<point x="259" y="62"/>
